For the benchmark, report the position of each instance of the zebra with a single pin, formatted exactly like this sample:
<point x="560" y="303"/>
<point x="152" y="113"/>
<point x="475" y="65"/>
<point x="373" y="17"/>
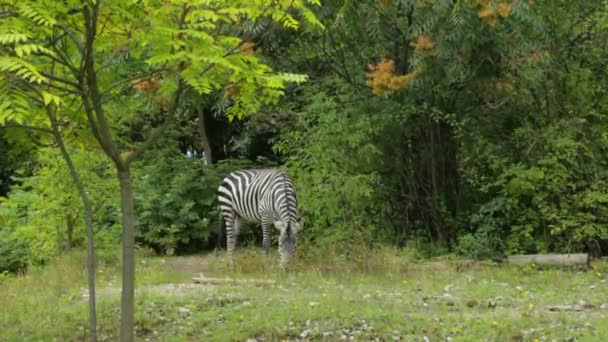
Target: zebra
<point x="265" y="196"/>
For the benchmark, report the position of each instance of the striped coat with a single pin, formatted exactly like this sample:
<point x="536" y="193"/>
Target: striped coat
<point x="265" y="196"/>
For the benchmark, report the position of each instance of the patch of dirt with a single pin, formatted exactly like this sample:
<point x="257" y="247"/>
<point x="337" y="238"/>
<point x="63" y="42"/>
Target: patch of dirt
<point x="171" y="288"/>
<point x="187" y="264"/>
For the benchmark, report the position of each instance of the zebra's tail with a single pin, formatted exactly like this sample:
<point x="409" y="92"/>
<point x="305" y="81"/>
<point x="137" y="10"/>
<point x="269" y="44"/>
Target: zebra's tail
<point x="221" y="232"/>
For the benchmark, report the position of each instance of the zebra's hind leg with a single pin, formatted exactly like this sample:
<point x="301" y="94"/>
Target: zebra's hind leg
<point x="266" y="236"/>
<point x="232" y="231"/>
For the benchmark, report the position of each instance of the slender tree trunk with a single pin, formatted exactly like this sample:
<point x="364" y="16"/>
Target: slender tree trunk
<point x="434" y="187"/>
<point x="88" y="209"/>
<point x="204" y="138"/>
<point x="128" y="254"/>
<point x="70" y="233"/>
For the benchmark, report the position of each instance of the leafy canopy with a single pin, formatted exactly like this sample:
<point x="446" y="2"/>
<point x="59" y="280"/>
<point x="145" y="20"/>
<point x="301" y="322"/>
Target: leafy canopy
<point x="207" y="45"/>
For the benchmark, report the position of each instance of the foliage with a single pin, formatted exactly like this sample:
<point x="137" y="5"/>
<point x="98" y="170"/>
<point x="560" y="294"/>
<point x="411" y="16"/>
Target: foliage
<point x="45" y="213"/>
<point x="13" y="253"/>
<point x="488" y="140"/>
<point x="557" y="190"/>
<point x="177" y="202"/>
<point x="475" y="127"/>
<point x="330" y="158"/>
<point x="15" y="157"/>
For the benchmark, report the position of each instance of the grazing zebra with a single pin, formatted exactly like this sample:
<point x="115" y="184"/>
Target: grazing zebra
<point x="263" y="196"/>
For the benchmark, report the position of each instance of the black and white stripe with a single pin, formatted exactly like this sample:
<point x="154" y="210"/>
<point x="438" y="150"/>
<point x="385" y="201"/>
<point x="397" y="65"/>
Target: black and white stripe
<point x="265" y="196"/>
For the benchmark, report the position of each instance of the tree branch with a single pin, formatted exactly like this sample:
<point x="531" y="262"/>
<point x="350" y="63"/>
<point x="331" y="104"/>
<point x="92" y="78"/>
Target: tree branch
<point x="28" y="127"/>
<point x="158" y="131"/>
<point x="90" y="87"/>
<point x="59" y="79"/>
<point x="141" y="78"/>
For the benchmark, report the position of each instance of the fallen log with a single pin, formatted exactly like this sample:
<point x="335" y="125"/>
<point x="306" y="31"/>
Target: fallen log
<point x="573" y="307"/>
<point x="581" y="259"/>
<point x="201" y="279"/>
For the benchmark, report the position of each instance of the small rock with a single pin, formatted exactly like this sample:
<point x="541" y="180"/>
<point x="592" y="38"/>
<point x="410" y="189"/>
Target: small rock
<point x="305" y="333"/>
<point x="252" y="340"/>
<point x="313" y="304"/>
<point x="603" y="306"/>
<point x="472" y="303"/>
<point x="426" y="339"/>
<point x="449" y="299"/>
<point x="492" y="304"/>
<point x="517" y="338"/>
<point x="184" y="311"/>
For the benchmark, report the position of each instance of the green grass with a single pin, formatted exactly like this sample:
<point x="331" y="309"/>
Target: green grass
<point x="388" y="296"/>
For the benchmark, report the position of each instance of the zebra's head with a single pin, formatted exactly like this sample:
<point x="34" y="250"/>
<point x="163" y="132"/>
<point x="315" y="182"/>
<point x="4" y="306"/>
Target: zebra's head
<point x="288" y="238"/>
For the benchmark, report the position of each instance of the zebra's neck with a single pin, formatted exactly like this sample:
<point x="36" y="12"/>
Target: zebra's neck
<point x="284" y="200"/>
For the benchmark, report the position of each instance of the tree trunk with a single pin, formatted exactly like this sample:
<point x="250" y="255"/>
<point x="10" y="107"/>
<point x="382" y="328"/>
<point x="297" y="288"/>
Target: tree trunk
<point x="204" y="138"/>
<point x="88" y="209"/>
<point x="128" y="254"/>
<point x="70" y="233"/>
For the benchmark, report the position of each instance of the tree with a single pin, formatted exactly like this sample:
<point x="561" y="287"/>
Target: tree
<point x="51" y="127"/>
<point x="95" y="53"/>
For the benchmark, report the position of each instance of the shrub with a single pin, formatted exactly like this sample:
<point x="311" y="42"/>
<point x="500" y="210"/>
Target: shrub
<point x="14" y="253"/>
<point x="331" y="160"/>
<point x="176" y="202"/>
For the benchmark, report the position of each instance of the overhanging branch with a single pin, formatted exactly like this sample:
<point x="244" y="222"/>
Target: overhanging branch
<point x="28" y="127"/>
<point x="158" y="131"/>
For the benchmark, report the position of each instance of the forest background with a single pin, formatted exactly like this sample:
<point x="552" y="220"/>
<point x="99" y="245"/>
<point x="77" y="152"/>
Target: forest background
<point x="476" y="128"/>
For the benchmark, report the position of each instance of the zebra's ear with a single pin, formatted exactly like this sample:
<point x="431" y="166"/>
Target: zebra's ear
<point x="300" y="224"/>
<point x="279" y="225"/>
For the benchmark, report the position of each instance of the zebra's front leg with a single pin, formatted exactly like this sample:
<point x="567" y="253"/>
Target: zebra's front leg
<point x="266" y="236"/>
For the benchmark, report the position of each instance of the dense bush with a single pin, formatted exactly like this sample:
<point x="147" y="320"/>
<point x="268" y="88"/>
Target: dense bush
<point x="176" y="202"/>
<point x="331" y="157"/>
<point x="554" y="197"/>
<point x="13" y="253"/>
<point x="45" y="213"/>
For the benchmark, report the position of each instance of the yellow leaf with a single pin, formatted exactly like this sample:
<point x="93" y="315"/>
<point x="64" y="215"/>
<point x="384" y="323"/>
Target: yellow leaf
<point x="504" y="9"/>
<point x="47" y="98"/>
